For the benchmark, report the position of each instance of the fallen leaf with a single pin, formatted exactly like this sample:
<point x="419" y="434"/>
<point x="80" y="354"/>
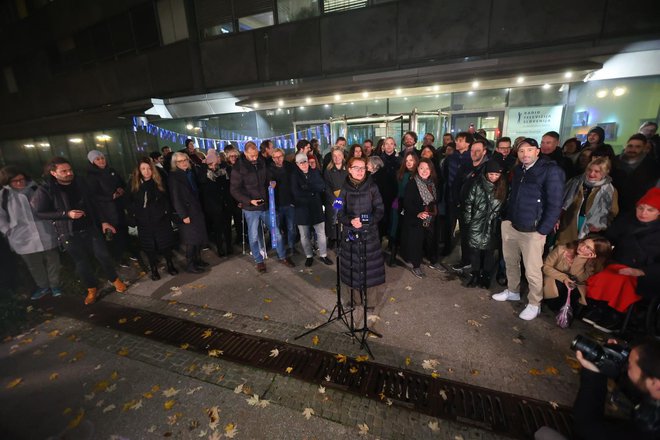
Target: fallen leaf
<point x="517" y="340"/>
<point x="148" y="395"/>
<point x="215" y="436"/>
<point x="289" y="370"/>
<point x="239" y="389"/>
<point x="170" y="392"/>
<point x="323" y="311"/>
<point x="151" y="429"/>
<point x="136" y="318"/>
<point x="231" y="430"/>
<point x="52" y="334"/>
<point x="363" y="429"/>
<point x="169" y="404"/>
<point x="101" y="386"/>
<point x="214" y="416"/>
<point x="458" y="306"/>
<point x="392" y="299"/>
<point x="362" y="358"/>
<point x="427" y="334"/>
<point x="54" y="376"/>
<point x="184" y="346"/>
<point x="474" y="372"/>
<point x="171" y="420"/>
<point x="114" y="375"/>
<point x="207" y="333"/>
<point x="408" y="287"/>
<point x="122" y="321"/>
<point x="128" y="405"/>
<point x="443" y="394"/>
<point x="327" y="378"/>
<point x="137" y="405"/>
<point x="62" y="354"/>
<point x="100" y="403"/>
<point x="155" y="388"/>
<point x="536" y="372"/>
<point x="389" y="402"/>
<point x="228" y="315"/>
<point x="353" y="370"/>
<point x="552" y="371"/>
<point x="553" y="404"/>
<point x="408" y="360"/>
<point x="90" y="396"/>
<point x="76" y="420"/>
<point x="215" y="353"/>
<point x="321" y="389"/>
<point x="572" y="362"/>
<point x="111" y="388"/>
<point x="14" y="383"/>
<point x="209" y="369"/>
<point x="66" y="411"/>
<point x="474" y="323"/>
<point x="341" y="358"/>
<point x="435" y="375"/>
<point x="108" y="408"/>
<point x="123" y="351"/>
<point x="433" y="426"/>
<point x="274" y="353"/>
<point x="315" y="340"/>
<point x="430" y="364"/>
<point x="268" y="300"/>
<point x="308" y="413"/>
<point x="266" y="317"/>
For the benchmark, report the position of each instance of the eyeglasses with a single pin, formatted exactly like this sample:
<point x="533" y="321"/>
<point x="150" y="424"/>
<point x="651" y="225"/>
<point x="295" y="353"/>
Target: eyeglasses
<point x="22" y="179"/>
<point x="182" y="160"/>
<point x="358" y="168"/>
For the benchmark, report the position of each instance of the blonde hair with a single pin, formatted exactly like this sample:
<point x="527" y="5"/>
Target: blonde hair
<point x="331" y="165"/>
<point x="602" y="162"/>
<point x="176" y="157"/>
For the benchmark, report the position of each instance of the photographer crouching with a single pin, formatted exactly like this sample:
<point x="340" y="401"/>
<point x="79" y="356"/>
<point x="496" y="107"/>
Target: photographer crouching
<point x="641" y="385"/>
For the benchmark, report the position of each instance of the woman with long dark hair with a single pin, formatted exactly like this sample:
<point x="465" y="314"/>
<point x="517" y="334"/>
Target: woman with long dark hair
<point x="407" y="169"/>
<point x="150" y="208"/>
<point x="235" y="212"/>
<point x="420" y="211"/>
<point x="184" y="192"/>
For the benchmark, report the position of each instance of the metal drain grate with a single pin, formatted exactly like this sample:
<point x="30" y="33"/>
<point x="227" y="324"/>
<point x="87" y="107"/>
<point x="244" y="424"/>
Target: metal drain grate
<point x="502" y="413"/>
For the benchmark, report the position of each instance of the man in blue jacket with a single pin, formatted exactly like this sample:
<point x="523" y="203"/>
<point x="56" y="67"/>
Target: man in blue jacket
<point x="534" y="206"/>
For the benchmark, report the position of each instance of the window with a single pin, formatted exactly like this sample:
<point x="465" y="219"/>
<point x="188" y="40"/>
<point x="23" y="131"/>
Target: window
<point x="342" y="5"/>
<point x="292" y="10"/>
<point x="221" y="29"/>
<point x="255" y="21"/>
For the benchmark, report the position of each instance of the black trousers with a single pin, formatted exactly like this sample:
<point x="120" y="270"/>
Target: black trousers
<point x="418" y="243"/>
<point x="482" y="259"/>
<point x="84" y="245"/>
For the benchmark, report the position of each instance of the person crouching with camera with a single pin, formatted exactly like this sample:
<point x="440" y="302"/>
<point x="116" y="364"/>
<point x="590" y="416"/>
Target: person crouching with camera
<point x="643" y="373"/>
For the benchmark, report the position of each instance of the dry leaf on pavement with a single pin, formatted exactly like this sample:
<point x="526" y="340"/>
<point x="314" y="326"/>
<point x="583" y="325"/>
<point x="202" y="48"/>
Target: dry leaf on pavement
<point x="363" y="429"/>
<point x="341" y="358"/>
<point x="76" y="420"/>
<point x="274" y="353"/>
<point x="54" y="376"/>
<point x="321" y="389"/>
<point x="231" y="430"/>
<point x="308" y="413"/>
<point x="215" y="353"/>
<point x="239" y="389"/>
<point x="169" y="404"/>
<point x="207" y="333"/>
<point x="315" y="340"/>
<point x="433" y="426"/>
<point x="14" y="383"/>
<point x="430" y="364"/>
<point x="214" y="416"/>
<point x="170" y="392"/>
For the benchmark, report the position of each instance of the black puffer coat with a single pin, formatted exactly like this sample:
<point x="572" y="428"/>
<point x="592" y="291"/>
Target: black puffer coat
<point x="250" y="182"/>
<point x="101" y="185"/>
<point x="150" y="209"/>
<point x="481" y="213"/>
<point x="307" y="190"/>
<point x="185" y="202"/>
<point x="361" y="199"/>
<point x="214" y="189"/>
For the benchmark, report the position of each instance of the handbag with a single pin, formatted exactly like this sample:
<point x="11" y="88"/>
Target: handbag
<point x="564" y="317"/>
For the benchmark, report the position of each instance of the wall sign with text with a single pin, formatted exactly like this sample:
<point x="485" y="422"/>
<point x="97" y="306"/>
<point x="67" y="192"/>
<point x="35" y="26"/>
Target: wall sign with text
<point x="534" y="122"/>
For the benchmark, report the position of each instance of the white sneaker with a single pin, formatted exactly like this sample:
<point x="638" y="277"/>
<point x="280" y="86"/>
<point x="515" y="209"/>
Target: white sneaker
<point x="506" y="295"/>
<point x="530" y="312"/>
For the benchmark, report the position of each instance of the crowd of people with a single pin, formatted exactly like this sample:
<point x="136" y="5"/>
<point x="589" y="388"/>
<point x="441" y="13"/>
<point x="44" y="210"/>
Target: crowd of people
<point x="580" y="222"/>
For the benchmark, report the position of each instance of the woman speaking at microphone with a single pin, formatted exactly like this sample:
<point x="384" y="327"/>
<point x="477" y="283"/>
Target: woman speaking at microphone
<point x="361" y="211"/>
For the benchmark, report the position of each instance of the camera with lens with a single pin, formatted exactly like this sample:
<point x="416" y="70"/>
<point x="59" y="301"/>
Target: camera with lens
<point x="609" y="358"/>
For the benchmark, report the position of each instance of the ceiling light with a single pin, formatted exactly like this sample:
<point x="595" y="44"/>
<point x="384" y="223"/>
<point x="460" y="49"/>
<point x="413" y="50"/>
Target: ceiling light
<point x="75" y="140"/>
<point x="568" y="75"/>
<point x="255" y="105"/>
<point x="398" y="91"/>
<point x="618" y="91"/>
<point x="601" y="93"/>
<point x="405" y="98"/>
<point x="198" y="128"/>
<point x="375" y="100"/>
<point x="44" y="144"/>
<point x="470" y="92"/>
<point x="337" y="97"/>
<point x="436" y="88"/>
<point x="308" y="100"/>
<point x="280" y="103"/>
<point x="103" y="137"/>
<point x="546" y="86"/>
<point x="475" y="84"/>
<point x="365" y="94"/>
<point x="352" y="103"/>
<point x="29" y="145"/>
<point x="520" y="80"/>
<point x="302" y="107"/>
<point x="327" y="106"/>
<point x="189" y="126"/>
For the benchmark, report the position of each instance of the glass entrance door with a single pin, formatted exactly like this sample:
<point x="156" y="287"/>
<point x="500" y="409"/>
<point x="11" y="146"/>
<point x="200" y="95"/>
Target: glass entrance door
<point x="436" y="123"/>
<point x="490" y="121"/>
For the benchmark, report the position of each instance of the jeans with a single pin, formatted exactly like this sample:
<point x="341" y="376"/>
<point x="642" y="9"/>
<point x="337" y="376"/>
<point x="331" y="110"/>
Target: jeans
<point x="305" y="239"/>
<point x="252" y="218"/>
<point x="81" y="245"/>
<point x="286" y="216"/>
<point x="44" y="267"/>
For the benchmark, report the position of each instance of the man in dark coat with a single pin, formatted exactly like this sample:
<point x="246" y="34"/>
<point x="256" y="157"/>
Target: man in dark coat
<point x="184" y="193"/>
<point x="503" y="155"/>
<point x="533" y="208"/>
<point x="450" y="166"/>
<point x="66" y="202"/>
<point x="307" y="187"/>
<point x="281" y="172"/>
<point x="550" y="149"/>
<point x="633" y="173"/>
<point x="249" y="183"/>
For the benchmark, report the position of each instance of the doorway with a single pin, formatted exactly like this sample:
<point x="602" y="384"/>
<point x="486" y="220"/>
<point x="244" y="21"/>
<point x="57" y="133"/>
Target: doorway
<point x="491" y="121"/>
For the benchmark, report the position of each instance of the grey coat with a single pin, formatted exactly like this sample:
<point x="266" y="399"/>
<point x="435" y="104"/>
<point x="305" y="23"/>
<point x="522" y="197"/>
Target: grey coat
<point x="25" y="232"/>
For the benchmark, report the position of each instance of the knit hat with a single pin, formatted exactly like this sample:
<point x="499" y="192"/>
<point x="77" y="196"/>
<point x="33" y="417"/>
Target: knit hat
<point x="301" y="158"/>
<point x="494" y="166"/>
<point x="211" y="157"/>
<point x="651" y="198"/>
<point x="600" y="132"/>
<point x="93" y="155"/>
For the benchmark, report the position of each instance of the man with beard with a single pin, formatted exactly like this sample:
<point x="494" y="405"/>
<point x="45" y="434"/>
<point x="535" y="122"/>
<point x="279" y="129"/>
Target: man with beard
<point x="633" y="172"/>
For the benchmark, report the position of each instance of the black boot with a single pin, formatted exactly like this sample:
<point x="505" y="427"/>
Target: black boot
<point x="474" y="280"/>
<point x="170" y="266"/>
<point x="154" y="272"/>
<point x="220" y="248"/>
<point x="198" y="259"/>
<point x="392" y="260"/>
<point x="191" y="267"/>
<point x="484" y="280"/>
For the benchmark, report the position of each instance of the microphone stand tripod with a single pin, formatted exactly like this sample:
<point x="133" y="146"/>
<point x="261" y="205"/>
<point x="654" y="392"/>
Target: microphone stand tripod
<point x="339" y="307"/>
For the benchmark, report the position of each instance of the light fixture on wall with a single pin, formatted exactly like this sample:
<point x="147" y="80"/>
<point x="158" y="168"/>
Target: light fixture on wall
<point x="103" y="137"/>
<point x="280" y="103"/>
<point x="546" y="86"/>
<point x="520" y="80"/>
<point x="618" y="91"/>
<point x="189" y="126"/>
<point x="365" y="94"/>
<point x="29" y="145"/>
<point x="75" y="140"/>
<point x="308" y="100"/>
<point x="602" y="93"/>
<point x="475" y="84"/>
<point x="568" y="75"/>
<point x="337" y="97"/>
<point x="398" y="91"/>
<point x="255" y="104"/>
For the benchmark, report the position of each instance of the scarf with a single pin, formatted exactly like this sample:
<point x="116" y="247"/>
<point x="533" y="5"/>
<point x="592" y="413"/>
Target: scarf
<point x="426" y="189"/>
<point x="355" y="182"/>
<point x="598" y="215"/>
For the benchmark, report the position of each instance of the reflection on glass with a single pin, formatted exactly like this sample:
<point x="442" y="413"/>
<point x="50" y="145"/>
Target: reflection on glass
<point x="292" y="10"/>
<point x="255" y="21"/>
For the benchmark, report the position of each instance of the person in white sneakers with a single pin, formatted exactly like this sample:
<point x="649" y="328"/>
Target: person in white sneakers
<point x="534" y="206"/>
